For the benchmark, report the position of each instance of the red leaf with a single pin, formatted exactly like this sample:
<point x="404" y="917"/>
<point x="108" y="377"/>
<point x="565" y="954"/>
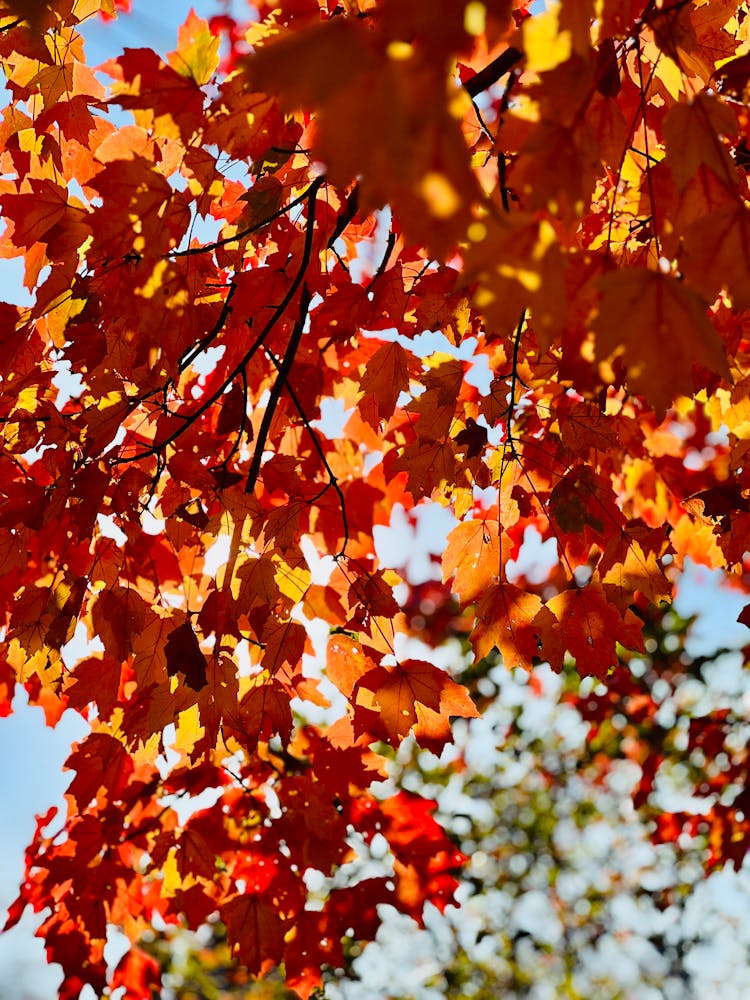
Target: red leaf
<point x="184" y="656"/>
<point x="118" y="616"/>
<point x="139" y="973"/>
<point x="256" y="930"/>
<point x="101" y="762"/>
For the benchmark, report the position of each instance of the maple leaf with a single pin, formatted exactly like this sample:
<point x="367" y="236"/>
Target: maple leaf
<point x="400" y="694"/>
<point x="95" y="682"/>
<point x="413" y="154"/>
<point x="717" y="251"/>
<point x="138" y="972"/>
<point x="472" y="557"/>
<point x="118" y="616"/>
<point x="385" y="378"/>
<point x="197" y="52"/>
<point x="100" y="762"/>
<point x="183" y="655"/>
<point x="592" y="627"/>
<point x="512" y="621"/>
<point x="255" y="929"/>
<point x="346" y="663"/>
<point x="36" y="213"/>
<point x="690" y="132"/>
<point x="657" y="326"/>
<point x="732" y="77"/>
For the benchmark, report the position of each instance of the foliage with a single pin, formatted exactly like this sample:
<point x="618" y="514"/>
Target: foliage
<point x="221" y="394"/>
<point x="568" y="891"/>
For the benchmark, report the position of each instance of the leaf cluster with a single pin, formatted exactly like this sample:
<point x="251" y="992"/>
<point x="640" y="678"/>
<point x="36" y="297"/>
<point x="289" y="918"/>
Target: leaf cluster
<point x="221" y="392"/>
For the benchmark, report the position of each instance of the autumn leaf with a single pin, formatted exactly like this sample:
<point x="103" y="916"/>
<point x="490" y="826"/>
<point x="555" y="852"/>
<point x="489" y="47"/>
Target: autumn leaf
<point x="660" y="330"/>
<point x="505" y="621"/>
<point x="346" y="663"/>
<point x="100" y="762"/>
<point x="197" y="52"/>
<point x="386" y="377"/>
<point x="399" y="693"/>
<point x="255" y="930"/>
<point x="138" y="972"/>
<point x="33" y="11"/>
<point x="184" y="656"/>
<point x="732" y="77"/>
<point x="472" y="557"/>
<point x="118" y="615"/>
<point x="411" y="155"/>
<point x="35" y="213"/>
<point x="592" y="627"/>
<point x="690" y="132"/>
<point x="717" y="251"/>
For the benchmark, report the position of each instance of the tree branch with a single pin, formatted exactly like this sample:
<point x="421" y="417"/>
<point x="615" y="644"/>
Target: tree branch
<point x="212" y="334"/>
<point x="259" y="341"/>
<point x="333" y="481"/>
<point x="207" y="247"/>
<point x="283" y="370"/>
<point x="492" y="72"/>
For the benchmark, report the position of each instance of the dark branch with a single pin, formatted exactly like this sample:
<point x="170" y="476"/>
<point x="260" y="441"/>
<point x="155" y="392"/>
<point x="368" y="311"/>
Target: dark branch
<point x="492" y="72"/>
<point x="212" y="334"/>
<point x="207" y="247"/>
<point x="291" y="350"/>
<point x="283" y="370"/>
<point x="352" y="205"/>
<point x="257" y="344"/>
<point x="240" y="429"/>
<point x="333" y="481"/>
<point x="389" y="245"/>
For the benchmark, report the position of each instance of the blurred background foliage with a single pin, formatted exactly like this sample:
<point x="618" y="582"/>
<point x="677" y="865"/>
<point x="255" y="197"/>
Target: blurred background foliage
<point x="589" y="815"/>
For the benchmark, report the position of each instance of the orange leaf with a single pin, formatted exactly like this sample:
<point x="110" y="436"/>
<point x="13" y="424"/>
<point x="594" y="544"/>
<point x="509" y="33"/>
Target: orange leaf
<point x="660" y="328"/>
<point x="716" y="251"/>
<point x="346" y="663"/>
<point x="592" y="627"/>
<point x="400" y="692"/>
<point x="505" y="617"/>
<point x="472" y="557"/>
<point x="692" y="134"/>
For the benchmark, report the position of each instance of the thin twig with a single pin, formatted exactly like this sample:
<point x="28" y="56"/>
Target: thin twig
<point x="207" y="247"/>
<point x="240" y="431"/>
<point x="389" y="245"/>
<point x="321" y="454"/>
<point x="257" y="344"/>
<point x="187" y="359"/>
<point x="649" y="178"/>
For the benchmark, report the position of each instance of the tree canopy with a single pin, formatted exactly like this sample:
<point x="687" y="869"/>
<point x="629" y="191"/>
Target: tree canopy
<point x="307" y="271"/>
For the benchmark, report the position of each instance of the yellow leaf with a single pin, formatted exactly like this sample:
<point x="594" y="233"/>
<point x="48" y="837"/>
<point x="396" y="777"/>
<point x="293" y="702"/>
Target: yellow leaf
<point x="172" y="881"/>
<point x="543" y="42"/>
<point x="188" y="730"/>
<point x="293" y="581"/>
<point x="197" y="53"/>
